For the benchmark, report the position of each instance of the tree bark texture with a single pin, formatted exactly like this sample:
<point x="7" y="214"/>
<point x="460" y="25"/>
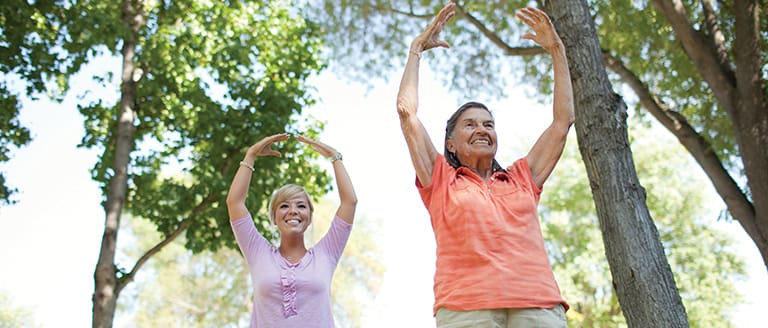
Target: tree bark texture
<point x="642" y="276"/>
<point x="106" y="288"/>
<point x="751" y="124"/>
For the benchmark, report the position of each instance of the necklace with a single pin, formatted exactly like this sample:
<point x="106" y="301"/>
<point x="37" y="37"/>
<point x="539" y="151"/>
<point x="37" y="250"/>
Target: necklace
<point x="290" y="258"/>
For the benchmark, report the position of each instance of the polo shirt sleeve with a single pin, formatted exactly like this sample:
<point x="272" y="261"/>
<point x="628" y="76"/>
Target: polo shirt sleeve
<point x="439" y="171"/>
<point x="521" y="173"/>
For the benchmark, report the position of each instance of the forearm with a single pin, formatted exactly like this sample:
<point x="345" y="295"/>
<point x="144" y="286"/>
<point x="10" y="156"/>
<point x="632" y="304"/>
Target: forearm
<point x="547" y="150"/>
<point x="408" y="94"/>
<point x="238" y="192"/>
<point x="347" y="195"/>
<point x="563" y="106"/>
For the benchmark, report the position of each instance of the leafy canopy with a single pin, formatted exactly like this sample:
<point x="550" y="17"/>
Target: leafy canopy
<point x="212" y="78"/>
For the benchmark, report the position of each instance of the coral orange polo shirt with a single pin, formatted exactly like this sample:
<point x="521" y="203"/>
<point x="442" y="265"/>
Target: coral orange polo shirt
<point x="490" y="250"/>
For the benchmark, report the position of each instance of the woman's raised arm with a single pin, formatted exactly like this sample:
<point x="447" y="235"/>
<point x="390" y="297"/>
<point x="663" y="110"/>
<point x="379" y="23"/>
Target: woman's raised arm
<point x="420" y="146"/>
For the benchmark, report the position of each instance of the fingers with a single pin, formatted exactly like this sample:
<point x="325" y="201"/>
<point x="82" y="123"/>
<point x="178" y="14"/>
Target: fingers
<point x="428" y="38"/>
<point x="529" y="36"/>
<point x="543" y="33"/>
<point x="304" y="139"/>
<point x="446" y="12"/>
<point x="272" y="152"/>
<point x="321" y="148"/>
<point x="267" y="148"/>
<point x="532" y="15"/>
<point x="442" y="18"/>
<point x="278" y="137"/>
<point x="264" y="146"/>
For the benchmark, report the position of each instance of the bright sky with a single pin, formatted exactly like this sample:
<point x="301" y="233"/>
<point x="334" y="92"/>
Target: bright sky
<point x="49" y="241"/>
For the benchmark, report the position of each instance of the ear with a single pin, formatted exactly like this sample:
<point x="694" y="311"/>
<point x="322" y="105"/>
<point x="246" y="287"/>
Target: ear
<point x="450" y="146"/>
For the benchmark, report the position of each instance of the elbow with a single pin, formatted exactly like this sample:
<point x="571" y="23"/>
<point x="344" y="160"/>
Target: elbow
<point x="404" y="108"/>
<point x="565" y="122"/>
<point x="232" y="200"/>
<point x="567" y="117"/>
<point x="351" y="200"/>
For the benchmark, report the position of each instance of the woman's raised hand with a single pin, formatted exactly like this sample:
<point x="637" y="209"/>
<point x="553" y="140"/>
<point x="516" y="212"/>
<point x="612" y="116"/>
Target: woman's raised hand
<point x="264" y="146"/>
<point x="321" y="148"/>
<point x="429" y="38"/>
<point x="544" y="32"/>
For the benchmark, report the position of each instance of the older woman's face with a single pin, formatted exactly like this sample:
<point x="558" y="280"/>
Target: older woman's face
<point x="474" y="136"/>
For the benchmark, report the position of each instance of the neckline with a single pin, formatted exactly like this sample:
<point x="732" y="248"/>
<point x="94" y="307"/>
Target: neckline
<point x="287" y="261"/>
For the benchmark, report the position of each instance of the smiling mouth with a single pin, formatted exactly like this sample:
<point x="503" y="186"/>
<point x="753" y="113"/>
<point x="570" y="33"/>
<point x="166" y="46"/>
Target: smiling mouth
<point x="480" y="141"/>
<point x="293" y="221"/>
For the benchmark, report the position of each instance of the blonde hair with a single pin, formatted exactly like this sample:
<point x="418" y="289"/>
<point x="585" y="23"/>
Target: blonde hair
<point x="284" y="193"/>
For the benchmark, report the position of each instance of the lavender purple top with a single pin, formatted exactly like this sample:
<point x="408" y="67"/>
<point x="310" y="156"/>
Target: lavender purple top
<point x="291" y="295"/>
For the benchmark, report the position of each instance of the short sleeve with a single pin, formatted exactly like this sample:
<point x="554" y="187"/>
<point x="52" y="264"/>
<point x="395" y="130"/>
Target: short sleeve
<point x="335" y="239"/>
<point x="250" y="241"/>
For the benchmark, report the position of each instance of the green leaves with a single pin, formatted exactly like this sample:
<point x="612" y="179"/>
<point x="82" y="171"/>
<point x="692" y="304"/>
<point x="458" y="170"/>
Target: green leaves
<point x="26" y="38"/>
<point x="12" y="135"/>
<point x="644" y="40"/>
<point x="212" y="78"/>
<point x="216" y="78"/>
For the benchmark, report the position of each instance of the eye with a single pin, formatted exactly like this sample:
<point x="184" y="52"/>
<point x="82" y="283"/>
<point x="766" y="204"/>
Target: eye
<point x="283" y="205"/>
<point x="489" y="125"/>
<point x="302" y="206"/>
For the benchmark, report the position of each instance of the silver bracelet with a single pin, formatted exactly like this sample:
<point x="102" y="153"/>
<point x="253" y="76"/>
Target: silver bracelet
<point x="336" y="157"/>
<point x="248" y="166"/>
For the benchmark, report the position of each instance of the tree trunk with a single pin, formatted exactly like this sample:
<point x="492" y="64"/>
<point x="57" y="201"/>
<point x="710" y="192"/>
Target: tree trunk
<point x="106" y="288"/>
<point x="642" y="277"/>
<point x="751" y="123"/>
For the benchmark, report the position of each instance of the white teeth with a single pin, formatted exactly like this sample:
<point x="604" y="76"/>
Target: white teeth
<point x="481" y="141"/>
<point x="293" y="221"/>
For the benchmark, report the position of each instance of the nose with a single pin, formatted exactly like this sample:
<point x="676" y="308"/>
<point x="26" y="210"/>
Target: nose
<point x="483" y="130"/>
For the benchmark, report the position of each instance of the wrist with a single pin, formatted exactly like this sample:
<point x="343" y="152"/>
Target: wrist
<point x="336" y="157"/>
<point x="247" y="165"/>
<point x="556" y="47"/>
<point x="416" y="50"/>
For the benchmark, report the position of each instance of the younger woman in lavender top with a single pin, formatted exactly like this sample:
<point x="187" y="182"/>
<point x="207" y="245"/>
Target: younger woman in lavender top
<point x="291" y="283"/>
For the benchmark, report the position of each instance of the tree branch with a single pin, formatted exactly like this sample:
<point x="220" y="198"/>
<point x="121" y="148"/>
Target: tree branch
<point x="737" y="202"/>
<point x="125" y="280"/>
<point x="410" y="14"/>
<point x="495" y="39"/>
<point x="714" y="31"/>
<point x="704" y="56"/>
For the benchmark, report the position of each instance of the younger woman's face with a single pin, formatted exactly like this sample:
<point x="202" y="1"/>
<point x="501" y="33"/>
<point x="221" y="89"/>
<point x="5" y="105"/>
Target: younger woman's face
<point x="293" y="215"/>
